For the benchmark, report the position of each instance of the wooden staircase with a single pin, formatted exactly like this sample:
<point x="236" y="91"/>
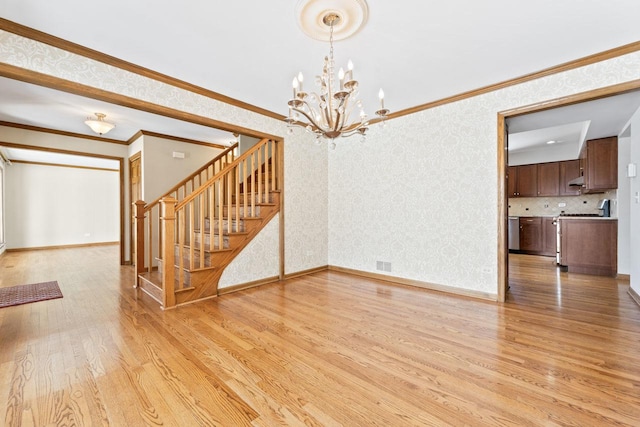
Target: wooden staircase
<point x="199" y="235"/>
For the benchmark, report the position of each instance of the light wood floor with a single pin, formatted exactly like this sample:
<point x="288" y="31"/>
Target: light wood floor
<point x="326" y="349"/>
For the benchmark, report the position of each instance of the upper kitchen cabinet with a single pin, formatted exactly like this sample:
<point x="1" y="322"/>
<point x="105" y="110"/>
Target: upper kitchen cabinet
<point x="523" y="181"/>
<point x="569" y="170"/>
<point x="548" y="179"/>
<point x="600" y="165"/>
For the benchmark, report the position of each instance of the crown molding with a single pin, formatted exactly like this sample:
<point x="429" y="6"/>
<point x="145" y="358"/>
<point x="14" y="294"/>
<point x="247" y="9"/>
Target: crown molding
<point x="58" y="150"/>
<point x="180" y="139"/>
<point x="61" y="132"/>
<point x="63" y="165"/>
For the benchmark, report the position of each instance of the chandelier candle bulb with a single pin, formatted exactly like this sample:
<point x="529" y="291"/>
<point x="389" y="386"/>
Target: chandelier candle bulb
<point x="341" y="77"/>
<point x="381" y="96"/>
<point x="295" y="86"/>
<point x="300" y="80"/>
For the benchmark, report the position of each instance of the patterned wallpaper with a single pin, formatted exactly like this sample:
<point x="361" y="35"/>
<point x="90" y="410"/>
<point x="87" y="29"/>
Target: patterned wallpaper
<point x="421" y="194"/>
<point x="261" y="253"/>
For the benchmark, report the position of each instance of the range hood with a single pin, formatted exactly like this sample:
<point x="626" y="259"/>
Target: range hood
<point x="578" y="182"/>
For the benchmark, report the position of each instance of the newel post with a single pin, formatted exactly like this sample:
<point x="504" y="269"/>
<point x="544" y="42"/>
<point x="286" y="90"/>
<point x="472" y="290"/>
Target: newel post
<point x="139" y="238"/>
<point x="168" y="218"/>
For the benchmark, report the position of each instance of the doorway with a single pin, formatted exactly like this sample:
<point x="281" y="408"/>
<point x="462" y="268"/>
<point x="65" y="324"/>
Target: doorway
<point x="581" y="100"/>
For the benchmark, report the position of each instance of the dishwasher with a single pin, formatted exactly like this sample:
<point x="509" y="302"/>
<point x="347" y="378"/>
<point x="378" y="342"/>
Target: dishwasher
<point x="514" y="233"/>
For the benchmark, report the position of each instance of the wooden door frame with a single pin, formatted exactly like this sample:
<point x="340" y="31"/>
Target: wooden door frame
<point x="121" y="186"/>
<point x="503" y="203"/>
<point x="134" y="156"/>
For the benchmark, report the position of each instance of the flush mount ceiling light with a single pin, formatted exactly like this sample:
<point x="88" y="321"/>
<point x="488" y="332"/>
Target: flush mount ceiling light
<point x="98" y="125"/>
<point x="328" y="111"/>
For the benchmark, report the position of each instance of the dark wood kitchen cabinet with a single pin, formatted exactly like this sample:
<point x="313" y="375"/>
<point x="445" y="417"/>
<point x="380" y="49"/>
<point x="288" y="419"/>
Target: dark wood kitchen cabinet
<point x="549" y="179"/>
<point x="531" y="234"/>
<point x="589" y="246"/>
<point x="600" y="165"/>
<point x="522" y="181"/>
<point x="569" y="170"/>
<point x="538" y="235"/>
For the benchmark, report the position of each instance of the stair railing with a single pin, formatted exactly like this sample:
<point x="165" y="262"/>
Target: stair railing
<point x="148" y="233"/>
<point x="222" y="201"/>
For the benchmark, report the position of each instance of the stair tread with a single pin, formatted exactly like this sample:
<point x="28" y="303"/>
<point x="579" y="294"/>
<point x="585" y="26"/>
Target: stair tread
<point x="154" y="278"/>
<point x="187" y="248"/>
<point x="225" y="234"/>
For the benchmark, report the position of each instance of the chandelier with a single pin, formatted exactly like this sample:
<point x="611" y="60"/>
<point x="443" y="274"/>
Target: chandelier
<point x="329" y="113"/>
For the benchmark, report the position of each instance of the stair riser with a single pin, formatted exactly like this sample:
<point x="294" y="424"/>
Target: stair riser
<point x="241" y="212"/>
<point x="197" y="237"/>
<point x="186" y="274"/>
<point x="236" y="225"/>
<point x="257" y="198"/>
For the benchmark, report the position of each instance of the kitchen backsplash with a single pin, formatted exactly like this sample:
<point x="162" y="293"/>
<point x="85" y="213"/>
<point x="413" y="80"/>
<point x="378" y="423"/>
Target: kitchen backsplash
<point x="551" y="206"/>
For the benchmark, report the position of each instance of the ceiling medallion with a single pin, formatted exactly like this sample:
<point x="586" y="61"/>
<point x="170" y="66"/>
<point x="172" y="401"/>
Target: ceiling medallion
<point x="310" y="16"/>
<point x="328" y="112"/>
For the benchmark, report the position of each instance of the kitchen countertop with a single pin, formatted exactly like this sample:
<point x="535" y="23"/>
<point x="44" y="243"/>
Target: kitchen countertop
<point x="599" y="218"/>
<point x="606" y="218"/>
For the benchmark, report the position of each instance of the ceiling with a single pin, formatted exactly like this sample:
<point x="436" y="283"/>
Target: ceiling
<point x="418" y="51"/>
<point x="570" y="126"/>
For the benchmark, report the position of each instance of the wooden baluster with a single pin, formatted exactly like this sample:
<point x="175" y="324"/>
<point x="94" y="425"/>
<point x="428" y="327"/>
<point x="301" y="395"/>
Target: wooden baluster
<point x="229" y="202"/>
<point x="181" y="245"/>
<point x="192" y="237"/>
<point x="259" y="175"/>
<point x="236" y="177"/>
<point x="245" y="190"/>
<point x="139" y="238"/>
<point x="253" y="184"/>
<point x="267" y="177"/>
<point x="152" y="221"/>
<point x="220" y="200"/>
<point x="168" y="259"/>
<point x="201" y="225"/>
<point x="276" y="163"/>
<point x="212" y="207"/>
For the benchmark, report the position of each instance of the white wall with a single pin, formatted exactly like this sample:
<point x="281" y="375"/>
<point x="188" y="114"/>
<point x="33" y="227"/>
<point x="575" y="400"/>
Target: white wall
<point x="161" y="171"/>
<point x="79" y="145"/>
<point x="634" y="205"/>
<point x="3" y="246"/>
<point x="57" y="206"/>
<point x="621" y="206"/>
